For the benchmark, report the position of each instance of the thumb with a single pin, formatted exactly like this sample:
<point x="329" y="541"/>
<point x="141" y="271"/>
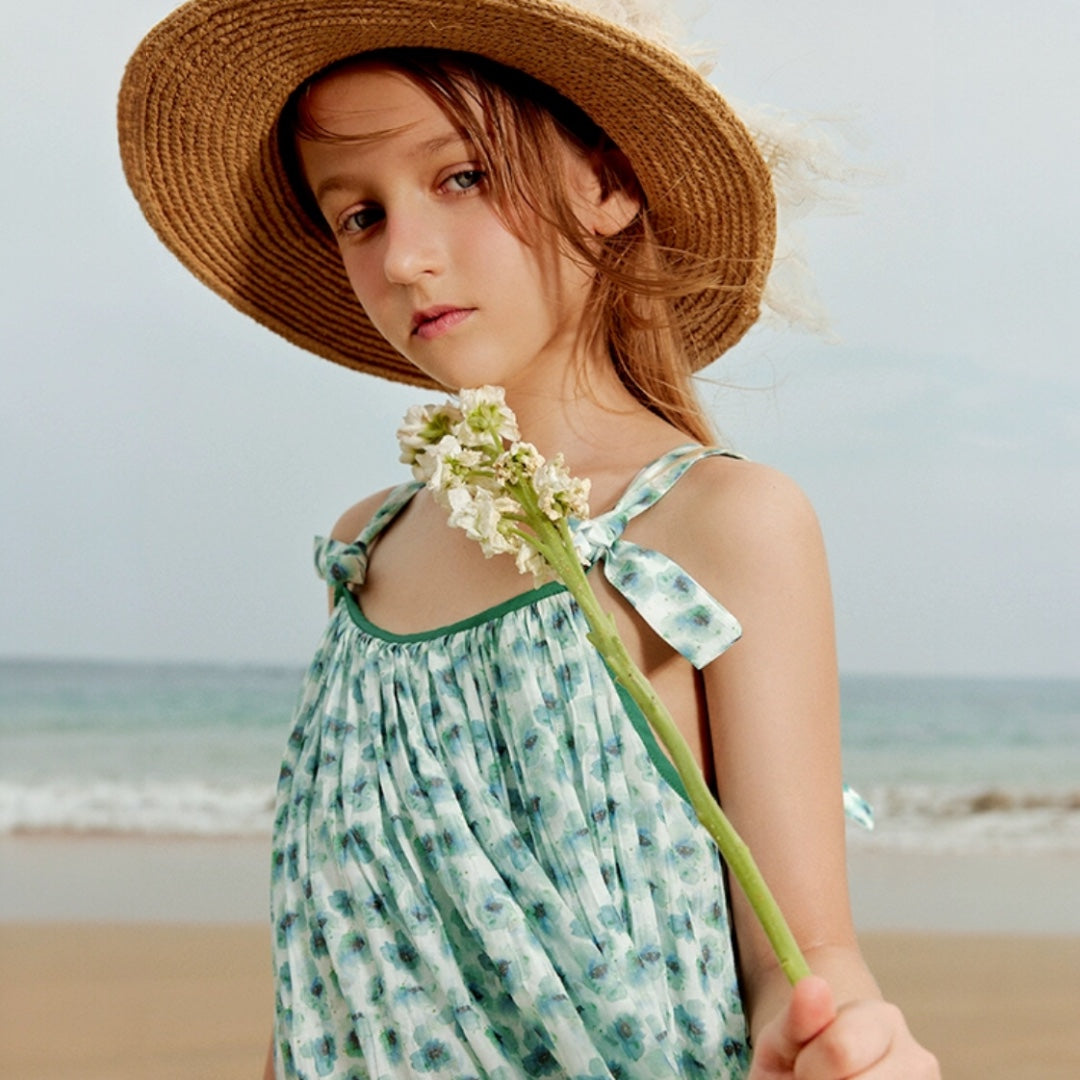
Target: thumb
<point x="810" y="1010"/>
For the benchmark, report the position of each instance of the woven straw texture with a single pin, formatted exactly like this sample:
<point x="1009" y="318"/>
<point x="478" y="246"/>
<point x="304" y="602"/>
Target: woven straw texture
<point x="198" y="114"/>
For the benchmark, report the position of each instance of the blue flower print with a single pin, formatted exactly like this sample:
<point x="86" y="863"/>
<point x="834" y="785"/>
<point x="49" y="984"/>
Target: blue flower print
<point x="354" y="845"/>
<point x="736" y="1050"/>
<point x="505" y="1039"/>
<point x="629" y="1035"/>
<point x="352" y="949"/>
<point x="402" y="953"/>
<point x="686" y="859"/>
<point x="627" y="578"/>
<point x="462" y="1015"/>
<point x="318" y="939"/>
<point x="562" y="627"/>
<point x="716" y="916"/>
<point x="375" y="913"/>
<point x="496" y="911"/>
<point x="277" y="864"/>
<point x="363" y="794"/>
<point x="516" y="851"/>
<point x="508" y="973"/>
<point x="692" y="1021"/>
<point x="492" y="879"/>
<point x="315" y="996"/>
<point x="682" y="926"/>
<point x="710" y="963"/>
<point x="676" y="973"/>
<point x="324" y="1053"/>
<point x="341" y="901"/>
<point x="433" y="1056"/>
<point x="601" y="979"/>
<point x="391" y="1044"/>
<point x="540" y="1061"/>
<point x="539" y="914"/>
<point x="646" y="964"/>
<point x="553" y="999"/>
<point x="352" y="1047"/>
<point x="691" y="1067"/>
<point x="285" y="926"/>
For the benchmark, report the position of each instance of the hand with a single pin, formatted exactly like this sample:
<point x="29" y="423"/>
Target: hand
<point x="813" y="1040"/>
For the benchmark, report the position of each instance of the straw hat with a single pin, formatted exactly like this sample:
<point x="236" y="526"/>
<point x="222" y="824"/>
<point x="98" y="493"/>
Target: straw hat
<point x="198" y="114"/>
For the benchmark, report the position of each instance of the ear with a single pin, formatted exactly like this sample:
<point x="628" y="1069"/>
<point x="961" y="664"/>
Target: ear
<point x="608" y="195"/>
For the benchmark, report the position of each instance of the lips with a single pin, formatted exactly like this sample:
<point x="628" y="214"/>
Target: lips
<point x="432" y="322"/>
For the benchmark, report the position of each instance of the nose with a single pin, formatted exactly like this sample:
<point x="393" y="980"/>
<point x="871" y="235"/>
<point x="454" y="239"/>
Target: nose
<point x="413" y="246"/>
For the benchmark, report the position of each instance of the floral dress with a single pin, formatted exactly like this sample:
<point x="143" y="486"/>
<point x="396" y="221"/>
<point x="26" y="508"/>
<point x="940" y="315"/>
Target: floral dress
<point x="484" y="865"/>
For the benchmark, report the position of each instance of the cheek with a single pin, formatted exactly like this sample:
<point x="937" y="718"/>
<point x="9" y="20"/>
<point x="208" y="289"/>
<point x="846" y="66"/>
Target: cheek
<point x="360" y="271"/>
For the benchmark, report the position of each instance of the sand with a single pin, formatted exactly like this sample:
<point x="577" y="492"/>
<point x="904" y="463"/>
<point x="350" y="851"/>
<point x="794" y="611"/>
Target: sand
<point x="146" y="1001"/>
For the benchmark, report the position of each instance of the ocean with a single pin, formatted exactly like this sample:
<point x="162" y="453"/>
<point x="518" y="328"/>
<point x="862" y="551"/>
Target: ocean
<point x="950" y="765"/>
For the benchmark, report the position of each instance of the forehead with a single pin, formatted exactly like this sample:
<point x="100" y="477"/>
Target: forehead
<point x="369" y="101"/>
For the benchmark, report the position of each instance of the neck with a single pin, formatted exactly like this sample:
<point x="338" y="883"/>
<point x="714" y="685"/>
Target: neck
<point x="588" y="415"/>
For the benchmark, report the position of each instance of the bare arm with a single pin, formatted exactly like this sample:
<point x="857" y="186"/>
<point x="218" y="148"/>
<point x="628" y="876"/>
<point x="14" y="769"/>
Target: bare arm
<point x="773" y="703"/>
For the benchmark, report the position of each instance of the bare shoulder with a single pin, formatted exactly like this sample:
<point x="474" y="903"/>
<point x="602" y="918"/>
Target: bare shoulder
<point x="351" y="524"/>
<point x="741" y="509"/>
<point x="745" y="531"/>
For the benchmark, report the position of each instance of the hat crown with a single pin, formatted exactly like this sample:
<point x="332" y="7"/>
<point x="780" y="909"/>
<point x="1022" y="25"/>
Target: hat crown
<point x="199" y="124"/>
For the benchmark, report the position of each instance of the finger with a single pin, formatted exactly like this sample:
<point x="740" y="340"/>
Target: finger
<point x="810" y="1010"/>
<point x="860" y="1037"/>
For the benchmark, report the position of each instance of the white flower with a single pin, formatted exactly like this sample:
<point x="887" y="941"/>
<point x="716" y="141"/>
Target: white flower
<point x="521" y="460"/>
<point x="446" y="464"/>
<point x="461" y="453"/>
<point x="482" y="515"/>
<point x="486" y="417"/>
<point x="424" y="425"/>
<point x="560" y="494"/>
<point x="530" y="561"/>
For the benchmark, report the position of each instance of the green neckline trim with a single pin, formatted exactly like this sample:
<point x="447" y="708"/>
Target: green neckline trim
<point x="664" y="765"/>
<point x="660" y="760"/>
<point x="487" y="615"/>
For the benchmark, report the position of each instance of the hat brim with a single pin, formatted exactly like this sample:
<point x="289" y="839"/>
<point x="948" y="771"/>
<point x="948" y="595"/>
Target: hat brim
<point x="201" y="99"/>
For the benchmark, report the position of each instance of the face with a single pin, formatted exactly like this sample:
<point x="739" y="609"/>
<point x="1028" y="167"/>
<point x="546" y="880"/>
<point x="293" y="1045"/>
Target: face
<point x="437" y="272"/>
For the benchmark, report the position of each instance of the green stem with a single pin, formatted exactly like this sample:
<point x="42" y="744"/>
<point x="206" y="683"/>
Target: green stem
<point x="555" y="544"/>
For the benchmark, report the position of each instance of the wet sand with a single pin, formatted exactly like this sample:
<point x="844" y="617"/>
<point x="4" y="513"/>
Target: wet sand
<point x="125" y="958"/>
<point x="137" y="1001"/>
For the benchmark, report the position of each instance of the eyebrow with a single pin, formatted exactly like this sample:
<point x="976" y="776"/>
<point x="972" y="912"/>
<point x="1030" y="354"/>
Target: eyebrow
<point x="343" y="181"/>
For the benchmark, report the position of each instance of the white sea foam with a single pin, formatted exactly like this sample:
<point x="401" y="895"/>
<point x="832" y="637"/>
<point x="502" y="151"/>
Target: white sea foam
<point x="916" y="818"/>
<point x="152" y="807"/>
<point x="971" y="819"/>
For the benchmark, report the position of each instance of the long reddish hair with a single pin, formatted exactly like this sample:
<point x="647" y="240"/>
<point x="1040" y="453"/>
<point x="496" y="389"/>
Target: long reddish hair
<point x="518" y="126"/>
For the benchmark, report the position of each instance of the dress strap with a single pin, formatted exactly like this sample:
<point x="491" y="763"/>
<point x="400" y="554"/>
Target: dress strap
<point x="340" y="563"/>
<point x="679" y="609"/>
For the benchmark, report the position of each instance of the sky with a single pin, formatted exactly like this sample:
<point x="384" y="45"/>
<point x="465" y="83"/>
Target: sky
<point x="165" y="461"/>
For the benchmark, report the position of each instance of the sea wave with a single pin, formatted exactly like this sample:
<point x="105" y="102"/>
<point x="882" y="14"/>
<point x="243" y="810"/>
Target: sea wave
<point x="152" y="808"/>
<point x="972" y="818"/>
<point x="927" y="818"/>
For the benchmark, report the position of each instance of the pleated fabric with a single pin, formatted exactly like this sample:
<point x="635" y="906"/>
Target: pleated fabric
<point x="480" y="869"/>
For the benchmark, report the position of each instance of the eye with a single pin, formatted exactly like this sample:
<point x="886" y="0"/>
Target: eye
<point x="359" y="221"/>
<point x="464" y="180"/>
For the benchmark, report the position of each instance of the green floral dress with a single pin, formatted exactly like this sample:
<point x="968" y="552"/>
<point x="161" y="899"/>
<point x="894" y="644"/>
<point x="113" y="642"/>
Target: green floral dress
<point x="484" y="865"/>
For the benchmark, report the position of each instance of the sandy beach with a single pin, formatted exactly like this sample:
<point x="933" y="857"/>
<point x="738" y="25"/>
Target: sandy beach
<point x="126" y="958"/>
<point x="193" y="1002"/>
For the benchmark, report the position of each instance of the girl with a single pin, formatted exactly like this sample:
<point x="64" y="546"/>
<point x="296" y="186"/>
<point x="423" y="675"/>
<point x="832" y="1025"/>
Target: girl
<point x="483" y="863"/>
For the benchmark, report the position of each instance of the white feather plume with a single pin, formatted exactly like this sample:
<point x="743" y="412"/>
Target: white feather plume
<point x="810" y="170"/>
